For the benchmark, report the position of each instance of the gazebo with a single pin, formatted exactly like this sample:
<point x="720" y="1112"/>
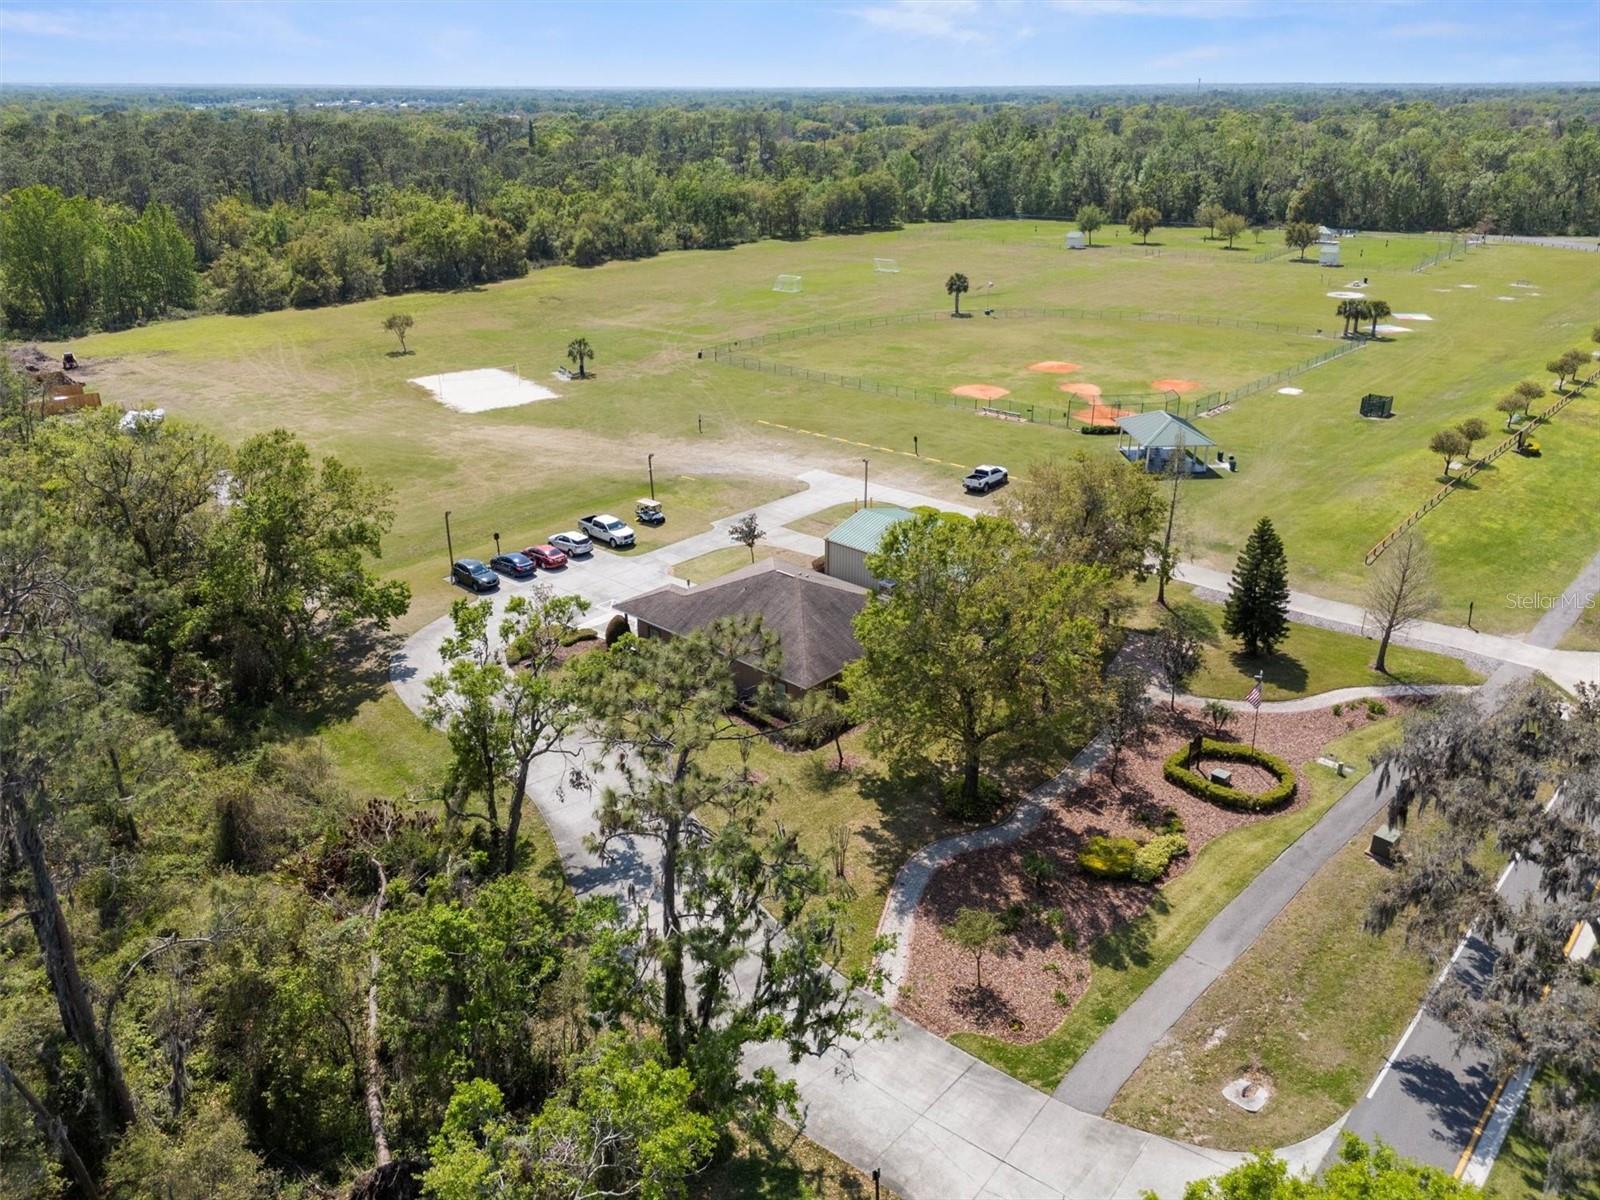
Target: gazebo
<point x="1154" y="438"/>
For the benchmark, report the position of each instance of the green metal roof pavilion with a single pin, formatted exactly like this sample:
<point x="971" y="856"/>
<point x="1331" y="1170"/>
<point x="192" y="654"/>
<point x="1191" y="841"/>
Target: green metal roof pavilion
<point x="864" y="530"/>
<point x="1162" y="430"/>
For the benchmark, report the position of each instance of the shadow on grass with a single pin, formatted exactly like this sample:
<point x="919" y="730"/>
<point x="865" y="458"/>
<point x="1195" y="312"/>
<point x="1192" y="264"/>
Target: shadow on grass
<point x="1129" y="944"/>
<point x="357" y="671"/>
<point x="779" y="1165"/>
<point x="1280" y="670"/>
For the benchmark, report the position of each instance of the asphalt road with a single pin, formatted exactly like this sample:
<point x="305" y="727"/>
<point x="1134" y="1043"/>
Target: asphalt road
<point x="1431" y="1101"/>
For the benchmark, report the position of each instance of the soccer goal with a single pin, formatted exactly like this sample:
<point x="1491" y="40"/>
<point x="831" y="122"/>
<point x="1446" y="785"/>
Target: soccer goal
<point x="886" y="266"/>
<point x="787" y="283"/>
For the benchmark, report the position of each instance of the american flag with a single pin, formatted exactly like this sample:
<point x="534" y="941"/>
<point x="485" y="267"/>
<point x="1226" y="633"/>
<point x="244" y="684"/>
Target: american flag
<point x="1254" y="698"/>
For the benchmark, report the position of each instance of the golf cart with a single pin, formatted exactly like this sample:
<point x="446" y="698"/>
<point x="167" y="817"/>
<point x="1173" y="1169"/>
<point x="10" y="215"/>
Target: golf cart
<point x="648" y="512"/>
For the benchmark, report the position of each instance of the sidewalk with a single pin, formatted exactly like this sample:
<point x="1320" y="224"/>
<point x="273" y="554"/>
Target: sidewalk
<point x="1096" y="1078"/>
<point x="937" y="1122"/>
<point x="1566" y="667"/>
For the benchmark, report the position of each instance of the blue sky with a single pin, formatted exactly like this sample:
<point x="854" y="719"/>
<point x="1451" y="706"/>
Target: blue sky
<point x="867" y="43"/>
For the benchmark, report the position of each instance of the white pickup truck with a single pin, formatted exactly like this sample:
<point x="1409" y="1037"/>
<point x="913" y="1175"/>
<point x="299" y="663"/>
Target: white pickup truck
<point x="603" y="527"/>
<point x="984" y="479"/>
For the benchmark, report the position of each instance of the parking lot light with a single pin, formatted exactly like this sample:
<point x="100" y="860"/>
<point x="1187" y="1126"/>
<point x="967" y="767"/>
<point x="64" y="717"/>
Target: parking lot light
<point x="448" y="545"/>
<point x="650" y="465"/>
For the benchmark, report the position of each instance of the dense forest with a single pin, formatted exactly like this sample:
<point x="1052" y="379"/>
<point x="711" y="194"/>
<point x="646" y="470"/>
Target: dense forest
<point x="239" y="206"/>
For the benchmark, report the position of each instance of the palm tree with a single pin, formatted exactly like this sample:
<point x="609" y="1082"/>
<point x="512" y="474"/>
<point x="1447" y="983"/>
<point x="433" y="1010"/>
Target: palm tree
<point x="1377" y="310"/>
<point x="954" y="286"/>
<point x="579" y="351"/>
<point x="1350" y="310"/>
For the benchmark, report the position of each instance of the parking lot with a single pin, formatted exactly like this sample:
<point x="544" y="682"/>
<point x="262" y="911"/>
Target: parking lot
<point x="607" y="577"/>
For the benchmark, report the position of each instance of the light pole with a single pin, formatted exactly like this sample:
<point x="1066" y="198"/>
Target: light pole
<point x="449" y="546"/>
<point x="864" y="465"/>
<point x="650" y="465"/>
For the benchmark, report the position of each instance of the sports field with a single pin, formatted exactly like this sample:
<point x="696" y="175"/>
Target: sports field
<point x="1333" y="483"/>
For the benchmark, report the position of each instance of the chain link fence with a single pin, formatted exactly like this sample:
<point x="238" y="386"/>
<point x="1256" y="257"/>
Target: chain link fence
<point x="734" y="354"/>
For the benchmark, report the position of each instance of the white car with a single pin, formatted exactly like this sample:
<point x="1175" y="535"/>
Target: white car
<point x="571" y="543"/>
<point x="984" y="479"/>
<point x="603" y="527"/>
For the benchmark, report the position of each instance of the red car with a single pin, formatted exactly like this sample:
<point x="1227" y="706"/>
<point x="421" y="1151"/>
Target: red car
<point x="546" y="556"/>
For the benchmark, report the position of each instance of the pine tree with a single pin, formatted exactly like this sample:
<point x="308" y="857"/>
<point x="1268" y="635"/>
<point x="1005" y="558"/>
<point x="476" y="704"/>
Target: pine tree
<point x="1258" y="603"/>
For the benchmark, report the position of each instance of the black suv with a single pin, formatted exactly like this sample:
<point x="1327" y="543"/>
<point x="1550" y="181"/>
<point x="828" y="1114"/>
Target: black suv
<point x="473" y="575"/>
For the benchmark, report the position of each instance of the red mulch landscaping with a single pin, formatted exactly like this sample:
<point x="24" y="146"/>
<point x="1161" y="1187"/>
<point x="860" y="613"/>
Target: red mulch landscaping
<point x="1033" y="979"/>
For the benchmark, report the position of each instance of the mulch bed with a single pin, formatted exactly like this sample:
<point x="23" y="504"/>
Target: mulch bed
<point x="1034" y="978"/>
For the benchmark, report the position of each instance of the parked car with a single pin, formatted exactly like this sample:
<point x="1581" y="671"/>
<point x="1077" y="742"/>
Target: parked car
<point x="571" y="543"/>
<point x="518" y="566"/>
<point x="603" y="527"/>
<point x="472" y="574"/>
<point x="984" y="479"/>
<point x="648" y="512"/>
<point x="546" y="556"/>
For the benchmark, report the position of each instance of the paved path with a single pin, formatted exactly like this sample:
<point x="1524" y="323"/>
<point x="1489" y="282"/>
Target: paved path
<point x="939" y="1123"/>
<point x="1096" y="1077"/>
<point x="1399" y="691"/>
<point x="1566" y="667"/>
<point x="608" y="577"/>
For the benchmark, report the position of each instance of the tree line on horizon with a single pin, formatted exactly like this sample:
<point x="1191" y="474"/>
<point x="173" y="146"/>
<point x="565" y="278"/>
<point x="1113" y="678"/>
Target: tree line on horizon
<point x="307" y="208"/>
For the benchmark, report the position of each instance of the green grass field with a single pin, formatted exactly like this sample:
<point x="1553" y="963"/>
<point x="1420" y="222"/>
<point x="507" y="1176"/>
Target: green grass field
<point x="1286" y="1009"/>
<point x="1333" y="483"/>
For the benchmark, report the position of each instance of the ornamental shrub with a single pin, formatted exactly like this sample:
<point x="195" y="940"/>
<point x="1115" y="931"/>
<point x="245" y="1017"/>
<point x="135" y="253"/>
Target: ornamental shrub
<point x="1108" y="857"/>
<point x="1196" y="784"/>
<point x="1153" y="858"/>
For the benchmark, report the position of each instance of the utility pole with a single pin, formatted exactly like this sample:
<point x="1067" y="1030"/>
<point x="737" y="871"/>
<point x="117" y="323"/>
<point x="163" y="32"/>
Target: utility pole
<point x="865" y="463"/>
<point x="449" y="546"/>
<point x="650" y="465"/>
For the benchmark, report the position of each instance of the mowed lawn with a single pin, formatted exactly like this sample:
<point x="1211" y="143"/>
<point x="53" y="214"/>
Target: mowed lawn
<point x="1310" y="1009"/>
<point x="1332" y="482"/>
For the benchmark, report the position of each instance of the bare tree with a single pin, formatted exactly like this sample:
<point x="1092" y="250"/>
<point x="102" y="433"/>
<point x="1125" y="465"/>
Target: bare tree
<point x="1400" y="591"/>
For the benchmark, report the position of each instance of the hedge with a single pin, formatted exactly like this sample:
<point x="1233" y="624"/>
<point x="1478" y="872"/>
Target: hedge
<point x="1153" y="858"/>
<point x="1197" y="784"/>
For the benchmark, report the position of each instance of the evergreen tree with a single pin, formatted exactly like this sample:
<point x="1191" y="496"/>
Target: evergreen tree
<point x="1258" y="603"/>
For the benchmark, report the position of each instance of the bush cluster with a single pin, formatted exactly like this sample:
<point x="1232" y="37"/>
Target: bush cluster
<point x="1108" y="857"/>
<point x="1197" y="784"/>
<point x="1153" y="858"/>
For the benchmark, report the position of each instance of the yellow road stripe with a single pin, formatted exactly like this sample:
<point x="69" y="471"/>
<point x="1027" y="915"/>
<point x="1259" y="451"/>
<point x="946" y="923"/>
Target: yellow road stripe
<point x="1483" y="1121"/>
<point x="1477" y="1132"/>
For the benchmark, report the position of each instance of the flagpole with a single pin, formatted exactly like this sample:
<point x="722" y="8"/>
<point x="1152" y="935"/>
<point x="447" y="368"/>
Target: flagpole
<point x="1257" y="726"/>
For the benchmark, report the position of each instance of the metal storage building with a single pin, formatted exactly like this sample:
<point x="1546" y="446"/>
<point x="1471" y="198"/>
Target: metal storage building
<point x="846" y="548"/>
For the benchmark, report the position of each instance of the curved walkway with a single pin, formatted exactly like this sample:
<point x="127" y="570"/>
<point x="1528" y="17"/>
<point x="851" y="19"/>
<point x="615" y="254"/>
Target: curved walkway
<point x="1348" y="695"/>
<point x="936" y="1121"/>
